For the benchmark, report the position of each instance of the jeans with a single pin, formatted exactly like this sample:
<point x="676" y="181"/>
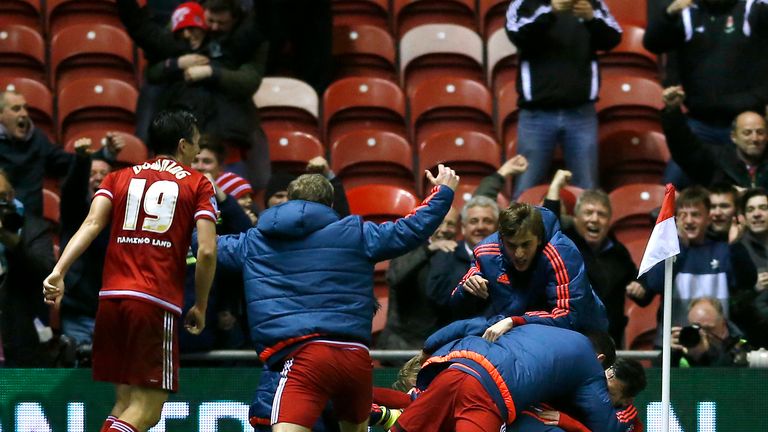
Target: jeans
<point x="79" y="328"/>
<point x="538" y="133"/>
<point x="717" y="135"/>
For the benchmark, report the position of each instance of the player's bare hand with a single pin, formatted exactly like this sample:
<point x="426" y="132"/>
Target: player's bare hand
<point x="514" y="166"/>
<point x="673" y="96"/>
<point x="114" y="142"/>
<point x="197" y="73"/>
<point x="477" y="286"/>
<point x="83" y="146"/>
<point x="445" y="176"/>
<point x="562" y="5"/>
<point x="442" y="245"/>
<point x="318" y="165"/>
<point x="194" y="322"/>
<point x="678" y="6"/>
<point x="53" y="288"/>
<point x="495" y="331"/>
<point x="188" y="60"/>
<point x="583" y="9"/>
<point x="635" y="290"/>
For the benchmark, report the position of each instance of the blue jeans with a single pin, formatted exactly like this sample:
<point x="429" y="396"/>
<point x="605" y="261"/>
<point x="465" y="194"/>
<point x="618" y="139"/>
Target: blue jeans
<point x="717" y="135"/>
<point x="79" y="328"/>
<point x="539" y="132"/>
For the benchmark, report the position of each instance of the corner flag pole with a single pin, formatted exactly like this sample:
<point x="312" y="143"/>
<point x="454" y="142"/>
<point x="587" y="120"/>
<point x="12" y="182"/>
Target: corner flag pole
<point x="666" y="353"/>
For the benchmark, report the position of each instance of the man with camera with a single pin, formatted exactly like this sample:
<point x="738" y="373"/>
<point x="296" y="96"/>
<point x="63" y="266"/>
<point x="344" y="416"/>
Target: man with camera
<point x="709" y="339"/>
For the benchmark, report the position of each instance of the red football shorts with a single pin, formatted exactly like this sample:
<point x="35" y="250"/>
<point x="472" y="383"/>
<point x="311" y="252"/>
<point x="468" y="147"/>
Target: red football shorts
<point x="319" y="371"/>
<point x="454" y="401"/>
<point x="136" y="343"/>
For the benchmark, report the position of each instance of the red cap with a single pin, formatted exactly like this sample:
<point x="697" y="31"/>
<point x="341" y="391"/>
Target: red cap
<point x="234" y="185"/>
<point x="189" y="14"/>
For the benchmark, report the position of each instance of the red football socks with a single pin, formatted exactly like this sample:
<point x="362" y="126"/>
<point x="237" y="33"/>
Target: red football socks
<point x="107" y="423"/>
<point x="121" y="426"/>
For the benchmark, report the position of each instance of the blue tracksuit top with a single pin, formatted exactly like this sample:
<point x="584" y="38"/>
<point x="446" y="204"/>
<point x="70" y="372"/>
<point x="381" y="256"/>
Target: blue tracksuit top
<point x="555" y="290"/>
<point x="531" y="364"/>
<point x="309" y="275"/>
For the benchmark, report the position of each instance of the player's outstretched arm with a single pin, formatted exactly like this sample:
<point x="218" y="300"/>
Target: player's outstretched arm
<point x="205" y="269"/>
<point x="97" y="219"/>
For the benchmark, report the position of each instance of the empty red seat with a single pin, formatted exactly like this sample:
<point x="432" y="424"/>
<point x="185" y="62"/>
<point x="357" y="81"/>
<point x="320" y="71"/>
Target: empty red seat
<point x="371" y="12"/>
<point x="630" y="57"/>
<point x="629" y="156"/>
<point x="291" y="150"/>
<point x="535" y="195"/>
<point x="364" y="50"/>
<point x="91" y="103"/>
<point x="134" y="152"/>
<point x="21" y="12"/>
<point x="473" y="155"/>
<point x="62" y="13"/>
<point x="51" y="206"/>
<point x="628" y="11"/>
<point x="357" y="103"/>
<point x="439" y="50"/>
<point x="450" y="103"/>
<point x="380" y="203"/>
<point x="641" y="325"/>
<point x="370" y="156"/>
<point x="22" y="50"/>
<point x="287" y="104"/>
<point x="91" y="51"/>
<point x="501" y="61"/>
<point x="465" y="191"/>
<point x="491" y="15"/>
<point x="408" y="14"/>
<point x="632" y="204"/>
<point x="39" y="101"/>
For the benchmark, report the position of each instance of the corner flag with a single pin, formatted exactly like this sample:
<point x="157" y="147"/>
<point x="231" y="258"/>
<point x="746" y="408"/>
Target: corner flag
<point x="663" y="243"/>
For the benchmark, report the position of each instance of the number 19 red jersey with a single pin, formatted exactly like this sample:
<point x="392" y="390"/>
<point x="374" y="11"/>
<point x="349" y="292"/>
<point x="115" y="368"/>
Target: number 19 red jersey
<point x="155" y="206"/>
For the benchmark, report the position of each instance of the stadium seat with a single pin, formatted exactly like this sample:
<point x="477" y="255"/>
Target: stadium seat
<point x="536" y="194"/>
<point x="380" y="203"/>
<point x="21" y="12"/>
<point x="632" y="205"/>
<point x="51" y="206"/>
<point x="628" y="11"/>
<point x="501" y="62"/>
<point x="364" y="50"/>
<point x="357" y="103"/>
<point x="22" y="50"/>
<point x="629" y="102"/>
<point x="92" y="103"/>
<point x="449" y="103"/>
<point x="409" y="14"/>
<point x="506" y="115"/>
<point x="39" y="101"/>
<point x="466" y="190"/>
<point x="62" y="13"/>
<point x="291" y="150"/>
<point x="370" y="156"/>
<point x="287" y="104"/>
<point x="641" y="327"/>
<point x="491" y="15"/>
<point x="473" y="155"/>
<point x="134" y="152"/>
<point x="629" y="58"/>
<point x="439" y="50"/>
<point x="91" y="51"/>
<point x="353" y="12"/>
<point x="628" y="156"/>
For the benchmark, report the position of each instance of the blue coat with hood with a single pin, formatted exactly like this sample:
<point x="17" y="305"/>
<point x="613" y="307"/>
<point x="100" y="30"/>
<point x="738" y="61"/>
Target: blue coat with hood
<point x="309" y="275"/>
<point x="555" y="290"/>
<point x="528" y="365"/>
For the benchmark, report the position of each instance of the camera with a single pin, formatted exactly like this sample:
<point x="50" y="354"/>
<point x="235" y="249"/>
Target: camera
<point x="690" y="336"/>
<point x="9" y="217"/>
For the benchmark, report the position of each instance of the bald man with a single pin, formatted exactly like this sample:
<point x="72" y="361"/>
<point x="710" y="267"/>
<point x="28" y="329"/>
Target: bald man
<point x="742" y="165"/>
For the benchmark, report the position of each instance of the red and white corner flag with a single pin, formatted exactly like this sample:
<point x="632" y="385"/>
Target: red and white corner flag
<point x="663" y="243"/>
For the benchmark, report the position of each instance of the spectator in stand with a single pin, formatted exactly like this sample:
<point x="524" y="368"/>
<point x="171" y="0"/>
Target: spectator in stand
<point x="79" y="304"/>
<point x="210" y="62"/>
<point x="719" y="48"/>
<point x="558" y="83"/>
<point x="479" y="219"/>
<point x="527" y="266"/>
<point x="412" y="314"/>
<point x="277" y="187"/>
<point x="704" y="267"/>
<point x="611" y="271"/>
<point x="723" y="198"/>
<point x="742" y="164"/>
<point x="26" y="256"/>
<point x="709" y="339"/>
<point x="26" y="154"/>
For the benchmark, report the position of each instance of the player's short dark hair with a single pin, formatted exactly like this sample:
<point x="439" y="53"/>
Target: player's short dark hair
<point x="168" y="127"/>
<point x="603" y="344"/>
<point x="311" y="187"/>
<point x="520" y="218"/>
<point x="208" y="142"/>
<point x="748" y="195"/>
<point x="692" y="196"/>
<point x="632" y="374"/>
